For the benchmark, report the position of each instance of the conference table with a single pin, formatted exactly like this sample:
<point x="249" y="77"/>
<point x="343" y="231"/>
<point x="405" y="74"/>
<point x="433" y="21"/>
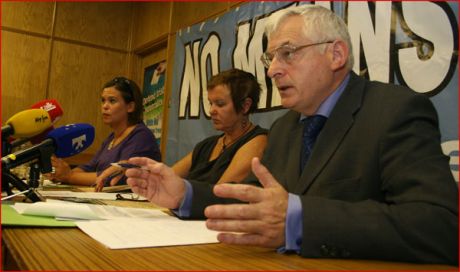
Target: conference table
<point x="69" y="249"/>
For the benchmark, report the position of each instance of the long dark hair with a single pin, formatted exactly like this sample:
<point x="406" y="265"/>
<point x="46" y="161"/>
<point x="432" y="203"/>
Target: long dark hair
<point x="130" y="93"/>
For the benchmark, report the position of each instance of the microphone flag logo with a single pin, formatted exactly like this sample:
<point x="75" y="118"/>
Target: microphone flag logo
<point x="77" y="143"/>
<point x="48" y="106"/>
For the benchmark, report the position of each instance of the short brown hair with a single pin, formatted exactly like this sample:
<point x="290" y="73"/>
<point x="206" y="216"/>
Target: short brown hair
<point x="242" y="85"/>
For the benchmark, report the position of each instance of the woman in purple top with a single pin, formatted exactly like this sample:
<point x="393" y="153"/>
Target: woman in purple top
<point x="122" y="110"/>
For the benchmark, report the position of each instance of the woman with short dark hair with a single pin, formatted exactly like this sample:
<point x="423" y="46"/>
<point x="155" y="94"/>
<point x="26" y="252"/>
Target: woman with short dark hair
<point x="233" y="95"/>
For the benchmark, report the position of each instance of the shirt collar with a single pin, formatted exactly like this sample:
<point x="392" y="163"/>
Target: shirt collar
<point x="326" y="107"/>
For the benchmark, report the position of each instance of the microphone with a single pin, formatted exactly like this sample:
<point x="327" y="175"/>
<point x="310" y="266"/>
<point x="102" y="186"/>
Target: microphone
<point x="26" y="123"/>
<point x="72" y="139"/>
<point x="64" y="142"/>
<point x="52" y="107"/>
<point x="54" y="110"/>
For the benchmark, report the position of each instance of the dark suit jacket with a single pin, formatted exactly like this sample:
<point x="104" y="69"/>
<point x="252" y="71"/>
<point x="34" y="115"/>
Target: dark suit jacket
<point x="377" y="184"/>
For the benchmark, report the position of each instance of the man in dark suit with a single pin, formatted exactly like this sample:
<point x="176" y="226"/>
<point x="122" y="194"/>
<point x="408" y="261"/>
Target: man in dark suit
<point x="375" y="184"/>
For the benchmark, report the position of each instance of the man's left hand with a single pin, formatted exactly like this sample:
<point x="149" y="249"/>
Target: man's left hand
<point x="259" y="223"/>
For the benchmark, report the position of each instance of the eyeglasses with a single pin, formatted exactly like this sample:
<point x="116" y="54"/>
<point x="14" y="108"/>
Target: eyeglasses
<point x="285" y="53"/>
<point x="126" y="84"/>
<point x="129" y="196"/>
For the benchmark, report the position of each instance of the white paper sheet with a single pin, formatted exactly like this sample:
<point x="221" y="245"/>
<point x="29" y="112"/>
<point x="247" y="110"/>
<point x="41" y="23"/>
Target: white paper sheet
<point x="165" y="231"/>
<point x="62" y="209"/>
<point x="87" y="195"/>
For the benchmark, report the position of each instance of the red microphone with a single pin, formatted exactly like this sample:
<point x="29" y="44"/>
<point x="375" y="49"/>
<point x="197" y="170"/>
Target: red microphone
<point x="55" y="112"/>
<point x="52" y="107"/>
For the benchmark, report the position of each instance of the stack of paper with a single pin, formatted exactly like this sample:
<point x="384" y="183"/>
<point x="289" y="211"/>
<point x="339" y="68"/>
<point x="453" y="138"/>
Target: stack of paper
<point x="118" y="227"/>
<point x="86" y="195"/>
<point x="11" y="218"/>
<point x="66" y="210"/>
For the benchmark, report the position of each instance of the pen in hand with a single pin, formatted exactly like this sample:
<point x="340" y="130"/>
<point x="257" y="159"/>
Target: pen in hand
<point x="112" y="176"/>
<point x="128" y="166"/>
<point x="115" y="174"/>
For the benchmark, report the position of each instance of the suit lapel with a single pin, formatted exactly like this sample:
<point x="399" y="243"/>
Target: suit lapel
<point x="293" y="161"/>
<point x="335" y="129"/>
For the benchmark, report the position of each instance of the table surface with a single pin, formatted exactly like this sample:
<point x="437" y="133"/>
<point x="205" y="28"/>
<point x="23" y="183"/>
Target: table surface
<point x="71" y="249"/>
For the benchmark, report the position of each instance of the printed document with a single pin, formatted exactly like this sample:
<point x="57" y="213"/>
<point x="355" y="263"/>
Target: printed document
<point x="134" y="233"/>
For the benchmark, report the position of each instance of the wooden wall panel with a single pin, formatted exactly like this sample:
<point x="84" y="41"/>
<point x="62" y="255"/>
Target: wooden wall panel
<point x="24" y="71"/>
<point x="151" y="22"/>
<point x="28" y="16"/>
<point x="189" y="13"/>
<point x="101" y="23"/>
<point x="77" y="76"/>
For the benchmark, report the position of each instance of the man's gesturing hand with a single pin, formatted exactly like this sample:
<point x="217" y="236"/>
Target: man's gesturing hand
<point x="261" y="222"/>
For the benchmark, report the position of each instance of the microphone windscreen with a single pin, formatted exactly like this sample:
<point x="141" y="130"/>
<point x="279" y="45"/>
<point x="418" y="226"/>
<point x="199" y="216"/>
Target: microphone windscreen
<point x="52" y="107"/>
<point x="30" y="122"/>
<point x="72" y="139"/>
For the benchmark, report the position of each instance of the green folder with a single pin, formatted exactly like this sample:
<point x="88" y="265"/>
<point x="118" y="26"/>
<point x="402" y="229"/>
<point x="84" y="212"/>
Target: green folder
<point x="12" y="218"/>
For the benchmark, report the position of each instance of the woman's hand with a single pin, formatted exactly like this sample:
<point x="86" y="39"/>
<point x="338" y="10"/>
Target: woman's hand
<point x="113" y="173"/>
<point x="62" y="170"/>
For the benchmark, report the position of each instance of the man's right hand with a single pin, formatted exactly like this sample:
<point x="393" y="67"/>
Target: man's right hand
<point x="157" y="182"/>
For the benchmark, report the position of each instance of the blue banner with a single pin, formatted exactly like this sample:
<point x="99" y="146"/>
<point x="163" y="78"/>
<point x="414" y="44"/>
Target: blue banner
<point x="408" y="43"/>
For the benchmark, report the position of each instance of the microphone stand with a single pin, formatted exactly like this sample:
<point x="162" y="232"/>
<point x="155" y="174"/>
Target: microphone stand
<point x="43" y="164"/>
<point x="6" y="149"/>
<point x="6" y="146"/>
<point x="34" y="175"/>
<point x="6" y="184"/>
<point x="20" y="185"/>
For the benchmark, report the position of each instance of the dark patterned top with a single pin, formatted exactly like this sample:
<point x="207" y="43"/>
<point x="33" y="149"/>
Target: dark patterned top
<point x="210" y="171"/>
